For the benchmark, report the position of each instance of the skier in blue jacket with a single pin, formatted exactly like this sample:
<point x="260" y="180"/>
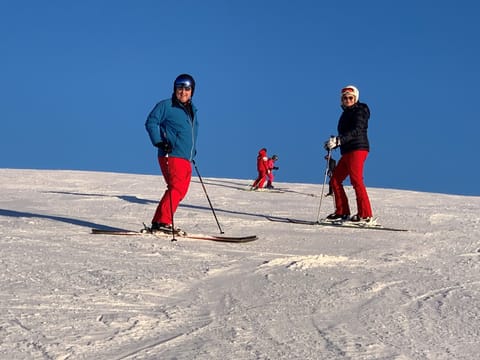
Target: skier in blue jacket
<point x="172" y="127"/>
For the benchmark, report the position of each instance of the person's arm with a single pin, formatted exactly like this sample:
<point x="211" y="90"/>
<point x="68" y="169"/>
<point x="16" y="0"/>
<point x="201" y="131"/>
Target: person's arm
<point x="153" y="122"/>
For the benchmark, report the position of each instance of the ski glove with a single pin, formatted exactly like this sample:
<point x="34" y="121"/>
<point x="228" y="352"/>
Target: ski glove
<point x="165" y="146"/>
<point x="275" y="168"/>
<point x="332" y="143"/>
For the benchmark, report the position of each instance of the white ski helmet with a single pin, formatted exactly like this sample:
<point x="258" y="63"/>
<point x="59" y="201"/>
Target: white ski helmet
<point x="350" y="90"/>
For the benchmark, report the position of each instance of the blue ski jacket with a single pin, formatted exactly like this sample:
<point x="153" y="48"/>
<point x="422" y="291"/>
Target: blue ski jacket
<point x="171" y="121"/>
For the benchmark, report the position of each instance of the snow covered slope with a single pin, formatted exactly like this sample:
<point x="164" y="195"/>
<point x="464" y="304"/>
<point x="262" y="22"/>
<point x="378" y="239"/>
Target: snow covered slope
<point x="299" y="292"/>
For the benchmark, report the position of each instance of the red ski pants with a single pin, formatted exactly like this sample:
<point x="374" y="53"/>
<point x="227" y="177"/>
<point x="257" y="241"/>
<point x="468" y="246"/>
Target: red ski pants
<point x="177" y="173"/>
<point x="260" y="179"/>
<point x="351" y="164"/>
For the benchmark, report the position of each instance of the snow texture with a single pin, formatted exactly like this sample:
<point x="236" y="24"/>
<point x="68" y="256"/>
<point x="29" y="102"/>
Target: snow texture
<point x="298" y="292"/>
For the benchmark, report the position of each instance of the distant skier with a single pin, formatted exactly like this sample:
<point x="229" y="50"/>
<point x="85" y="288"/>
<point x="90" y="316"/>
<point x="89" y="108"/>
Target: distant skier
<point x="354" y="146"/>
<point x="271" y="166"/>
<point x="262" y="168"/>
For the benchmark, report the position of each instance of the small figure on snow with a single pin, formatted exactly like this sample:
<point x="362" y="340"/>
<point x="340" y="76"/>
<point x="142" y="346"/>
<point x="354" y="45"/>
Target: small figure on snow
<point x="271" y="166"/>
<point x="262" y="168"/>
<point x="354" y="147"/>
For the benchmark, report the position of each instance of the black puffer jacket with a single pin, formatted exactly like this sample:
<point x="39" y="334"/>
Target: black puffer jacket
<point x="352" y="128"/>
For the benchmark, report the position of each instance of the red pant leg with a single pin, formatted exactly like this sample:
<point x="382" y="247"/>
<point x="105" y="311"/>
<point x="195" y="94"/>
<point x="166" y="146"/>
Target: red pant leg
<point x="336" y="182"/>
<point x="351" y="164"/>
<point x="260" y="179"/>
<point x="356" y="178"/>
<point x="177" y="173"/>
<point x="270" y="177"/>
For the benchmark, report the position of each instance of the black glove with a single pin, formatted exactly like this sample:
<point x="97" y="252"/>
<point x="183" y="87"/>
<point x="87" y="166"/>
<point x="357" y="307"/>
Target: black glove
<point x="165" y="146"/>
<point x="275" y="168"/>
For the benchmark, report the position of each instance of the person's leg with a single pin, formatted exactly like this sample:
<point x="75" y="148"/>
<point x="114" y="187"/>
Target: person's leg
<point x="177" y="173"/>
<point x="269" y="179"/>
<point x="262" y="180"/>
<point x="336" y="182"/>
<point x="258" y="183"/>
<point x="356" y="178"/>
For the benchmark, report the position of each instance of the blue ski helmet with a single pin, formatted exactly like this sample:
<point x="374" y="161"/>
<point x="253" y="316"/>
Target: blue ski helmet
<point x="184" y="80"/>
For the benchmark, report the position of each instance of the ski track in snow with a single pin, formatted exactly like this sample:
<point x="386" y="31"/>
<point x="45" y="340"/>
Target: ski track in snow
<point x="299" y="292"/>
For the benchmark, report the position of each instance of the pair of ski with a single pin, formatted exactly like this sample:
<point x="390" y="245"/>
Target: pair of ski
<point x="242" y="239"/>
<point x="267" y="190"/>
<point x="347" y="224"/>
<point x="179" y="235"/>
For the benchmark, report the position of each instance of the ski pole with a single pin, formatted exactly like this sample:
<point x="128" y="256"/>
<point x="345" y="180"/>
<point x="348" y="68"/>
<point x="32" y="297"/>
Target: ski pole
<point x="329" y="155"/>
<point x="208" y="198"/>
<point x="170" y="196"/>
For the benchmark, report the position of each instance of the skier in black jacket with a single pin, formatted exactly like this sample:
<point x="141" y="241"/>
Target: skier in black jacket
<point x="354" y="147"/>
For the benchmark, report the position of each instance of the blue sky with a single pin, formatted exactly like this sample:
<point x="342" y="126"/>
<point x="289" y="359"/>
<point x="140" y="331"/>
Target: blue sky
<point x="78" y="79"/>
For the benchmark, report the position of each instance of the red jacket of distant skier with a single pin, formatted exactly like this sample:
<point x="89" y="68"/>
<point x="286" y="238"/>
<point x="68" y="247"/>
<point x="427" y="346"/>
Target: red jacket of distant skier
<point x="262" y="161"/>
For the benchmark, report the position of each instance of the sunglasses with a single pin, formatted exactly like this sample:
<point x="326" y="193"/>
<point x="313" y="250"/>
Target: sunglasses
<point x="348" y="89"/>
<point x="185" y="88"/>
<point x="350" y="98"/>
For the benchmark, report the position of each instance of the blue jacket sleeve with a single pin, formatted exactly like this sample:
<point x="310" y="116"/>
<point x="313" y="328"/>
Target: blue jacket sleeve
<point x="153" y="122"/>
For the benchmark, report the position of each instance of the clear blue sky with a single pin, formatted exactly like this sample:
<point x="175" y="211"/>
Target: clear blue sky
<point x="78" y="79"/>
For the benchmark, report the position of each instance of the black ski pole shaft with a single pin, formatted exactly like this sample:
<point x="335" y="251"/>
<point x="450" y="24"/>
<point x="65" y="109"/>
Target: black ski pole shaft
<point x="170" y="197"/>
<point x="329" y="155"/>
<point x="208" y="198"/>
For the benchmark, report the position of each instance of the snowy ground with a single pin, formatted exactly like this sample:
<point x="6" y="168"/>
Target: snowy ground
<point x="299" y="292"/>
